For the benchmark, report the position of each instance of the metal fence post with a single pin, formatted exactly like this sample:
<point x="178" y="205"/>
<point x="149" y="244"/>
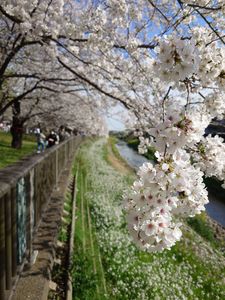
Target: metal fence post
<point x="56" y="165"/>
<point x="8" y="241"/>
<point x="13" y="228"/>
<point x="2" y="249"/>
<point x="30" y="214"/>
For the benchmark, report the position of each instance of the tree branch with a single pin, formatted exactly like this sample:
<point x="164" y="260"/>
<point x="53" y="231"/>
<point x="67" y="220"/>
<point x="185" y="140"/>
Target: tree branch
<point x="211" y="27"/>
<point x="159" y="11"/>
<point x="12" y="54"/>
<point x="18" y="98"/>
<point x="89" y="82"/>
<point x="204" y="7"/>
<point x="163" y="102"/>
<point x="12" y="18"/>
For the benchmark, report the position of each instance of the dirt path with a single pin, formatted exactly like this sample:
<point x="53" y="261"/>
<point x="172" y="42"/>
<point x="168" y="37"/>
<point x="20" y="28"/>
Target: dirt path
<point x="118" y="164"/>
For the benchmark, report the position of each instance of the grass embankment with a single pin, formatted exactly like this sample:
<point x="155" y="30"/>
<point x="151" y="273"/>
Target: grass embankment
<point x="112" y="146"/>
<point x="106" y="263"/>
<point x="113" y="157"/>
<point x="8" y="155"/>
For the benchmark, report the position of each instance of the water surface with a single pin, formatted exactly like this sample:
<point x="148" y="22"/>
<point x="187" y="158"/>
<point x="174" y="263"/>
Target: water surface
<point x="134" y="159"/>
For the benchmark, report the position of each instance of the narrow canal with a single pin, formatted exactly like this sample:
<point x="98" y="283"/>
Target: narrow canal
<point x="216" y="206"/>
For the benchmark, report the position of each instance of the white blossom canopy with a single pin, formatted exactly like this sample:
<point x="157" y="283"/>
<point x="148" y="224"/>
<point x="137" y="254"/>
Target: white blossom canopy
<point x="164" y="61"/>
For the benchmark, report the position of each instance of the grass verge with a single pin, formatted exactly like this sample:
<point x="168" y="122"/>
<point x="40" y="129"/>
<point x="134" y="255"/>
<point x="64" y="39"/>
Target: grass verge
<point x="201" y="225"/>
<point x="8" y="155"/>
<point x="192" y="269"/>
<point x="87" y="272"/>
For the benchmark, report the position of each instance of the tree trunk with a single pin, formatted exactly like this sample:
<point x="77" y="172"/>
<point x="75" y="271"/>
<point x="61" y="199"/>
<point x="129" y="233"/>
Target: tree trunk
<point x="17" y="133"/>
<point x="17" y="127"/>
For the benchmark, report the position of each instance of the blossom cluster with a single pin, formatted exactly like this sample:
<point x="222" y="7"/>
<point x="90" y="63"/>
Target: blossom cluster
<point x="211" y="64"/>
<point x="172" y="186"/>
<point x="144" y="144"/>
<point x="178" y="129"/>
<point x="215" y="105"/>
<point x="37" y="18"/>
<point x="210" y="156"/>
<point x="177" y="59"/>
<point x="188" y="60"/>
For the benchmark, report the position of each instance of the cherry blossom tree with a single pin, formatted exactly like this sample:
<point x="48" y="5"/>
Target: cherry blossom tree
<point x="162" y="60"/>
<point x="36" y="32"/>
<point x="78" y="112"/>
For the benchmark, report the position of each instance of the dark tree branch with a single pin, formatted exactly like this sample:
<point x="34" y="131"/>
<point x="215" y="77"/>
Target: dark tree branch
<point x="204" y="7"/>
<point x="12" y="54"/>
<point x="215" y="40"/>
<point x="21" y="76"/>
<point x="159" y="11"/>
<point x="89" y="82"/>
<point x="210" y="25"/>
<point x="164" y="100"/>
<point x="12" y="18"/>
<point x="18" y="98"/>
<point x="16" y="40"/>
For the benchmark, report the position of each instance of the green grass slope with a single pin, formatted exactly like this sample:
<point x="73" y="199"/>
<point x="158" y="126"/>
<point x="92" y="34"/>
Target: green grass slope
<point x="9" y="155"/>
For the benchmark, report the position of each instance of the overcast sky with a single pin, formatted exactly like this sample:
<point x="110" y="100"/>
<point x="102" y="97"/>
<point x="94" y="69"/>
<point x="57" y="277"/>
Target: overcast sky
<point x="115" y="119"/>
<point x="114" y="124"/>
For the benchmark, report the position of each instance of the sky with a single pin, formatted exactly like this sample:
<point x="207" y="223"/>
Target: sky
<point x="115" y="118"/>
<point x="114" y="124"/>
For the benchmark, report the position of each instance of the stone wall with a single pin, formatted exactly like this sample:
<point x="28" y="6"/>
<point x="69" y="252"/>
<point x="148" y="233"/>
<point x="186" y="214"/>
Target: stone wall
<point x="25" y="189"/>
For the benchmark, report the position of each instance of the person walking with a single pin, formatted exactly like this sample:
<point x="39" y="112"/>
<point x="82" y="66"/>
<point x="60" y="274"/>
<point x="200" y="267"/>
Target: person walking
<point x="40" y="140"/>
<point x="52" y="139"/>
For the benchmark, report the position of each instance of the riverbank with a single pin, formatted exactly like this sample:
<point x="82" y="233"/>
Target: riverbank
<point x="107" y="265"/>
<point x="114" y="158"/>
